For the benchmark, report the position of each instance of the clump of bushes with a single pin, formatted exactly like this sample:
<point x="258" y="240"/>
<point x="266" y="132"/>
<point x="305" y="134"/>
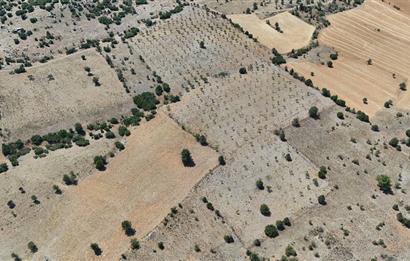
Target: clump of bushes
<point x="187" y="158"/>
<point x="100" y="162"/>
<point x="146" y="101"/>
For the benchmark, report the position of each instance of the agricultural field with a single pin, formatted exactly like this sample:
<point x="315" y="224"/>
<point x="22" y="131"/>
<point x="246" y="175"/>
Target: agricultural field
<point x="284" y="32"/>
<point x="53" y="96"/>
<point x="372" y="43"/>
<point x="204" y="130"/>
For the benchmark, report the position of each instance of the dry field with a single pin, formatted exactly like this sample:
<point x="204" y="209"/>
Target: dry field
<point x="56" y="95"/>
<point x="402" y="5"/>
<point x="141" y="184"/>
<point x="296" y="33"/>
<point x="187" y="64"/>
<point x="233" y="110"/>
<point x="373" y="31"/>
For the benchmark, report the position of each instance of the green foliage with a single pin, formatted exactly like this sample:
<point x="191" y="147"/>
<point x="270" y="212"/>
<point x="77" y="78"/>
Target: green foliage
<point x="97" y="250"/>
<point x="362" y="116"/>
<point x="264" y="209"/>
<point x="100" y="162"/>
<point x="127" y="227"/>
<point x="229" y="239"/>
<point x="221" y="160"/>
<point x="201" y="139"/>
<point x="105" y="20"/>
<point x="109" y="135"/>
<point x="333" y="56"/>
<point x="3" y="167"/>
<point x="271" y="231"/>
<point x="146" y="101"/>
<point x="133" y="31"/>
<point x="314" y="112"/>
<point x="123" y="131"/>
<point x="394" y="142"/>
<point x="384" y="183"/>
<point x="187" y="158"/>
<point x="259" y="184"/>
<point x="119" y="145"/>
<point x="70" y="179"/>
<point x="340" y="115"/>
<point x="33" y="248"/>
<point x="290" y="251"/>
<point x="135" y="244"/>
<point x="57" y="190"/>
<point x="36" y="140"/>
<point x="326" y="92"/>
<point x="322" y="172"/>
<point x="322" y="200"/>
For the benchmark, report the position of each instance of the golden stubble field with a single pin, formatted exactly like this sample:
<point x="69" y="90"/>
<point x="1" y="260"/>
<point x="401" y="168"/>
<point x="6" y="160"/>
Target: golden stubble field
<point x="141" y="184"/>
<point x="373" y="31"/>
<point x="296" y="33"/>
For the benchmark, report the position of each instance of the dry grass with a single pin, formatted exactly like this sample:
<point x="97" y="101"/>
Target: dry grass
<point x="372" y="31"/>
<point x="296" y="33"/>
<point x="60" y="94"/>
<point x="141" y="184"/>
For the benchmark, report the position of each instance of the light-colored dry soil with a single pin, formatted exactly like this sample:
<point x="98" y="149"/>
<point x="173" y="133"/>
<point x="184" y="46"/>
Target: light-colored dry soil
<point x="403" y="5"/>
<point x="296" y="33"/>
<point x="141" y="184"/>
<point x="373" y="31"/>
<point x="60" y="94"/>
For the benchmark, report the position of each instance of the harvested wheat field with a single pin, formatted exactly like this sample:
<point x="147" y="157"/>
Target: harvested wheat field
<point x="401" y="5"/>
<point x="59" y="94"/>
<point x="373" y="33"/>
<point x="294" y="34"/>
<point x="141" y="185"/>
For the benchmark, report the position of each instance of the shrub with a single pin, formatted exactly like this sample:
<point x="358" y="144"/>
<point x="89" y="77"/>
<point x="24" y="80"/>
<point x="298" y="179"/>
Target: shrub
<point x="161" y="245"/>
<point x="384" y="183"/>
<point x="11" y="204"/>
<point x="242" y="70"/>
<point x="228" y="239"/>
<point x="322" y="172"/>
<point x="79" y="129"/>
<point x="97" y="250"/>
<point x="280" y="225"/>
<point x="221" y="160"/>
<point x="127" y="227"/>
<point x="290" y="251"/>
<point x="33" y="248"/>
<point x="210" y="206"/>
<point x="259" y="184"/>
<point x="375" y="127"/>
<point x="36" y="140"/>
<point x="314" y="112"/>
<point x="187" y="158"/>
<point x="100" y="162"/>
<point x="70" y="179"/>
<point x="333" y="56"/>
<point x="394" y="142"/>
<point x="330" y="64"/>
<point x="295" y="122"/>
<point x="286" y="221"/>
<point x="271" y="231"/>
<point x="322" y="200"/>
<point x="340" y="115"/>
<point x="57" y="190"/>
<point x="123" y="131"/>
<point x="325" y="92"/>
<point x="3" y="167"/>
<point x="119" y="145"/>
<point x="146" y="101"/>
<point x="264" y="209"/>
<point x="403" y="86"/>
<point x="201" y="139"/>
<point x="362" y="116"/>
<point x="135" y="244"/>
<point x="109" y="135"/>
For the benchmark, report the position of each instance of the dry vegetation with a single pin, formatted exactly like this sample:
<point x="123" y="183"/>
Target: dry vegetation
<point x="284" y="32"/>
<point x="162" y="130"/>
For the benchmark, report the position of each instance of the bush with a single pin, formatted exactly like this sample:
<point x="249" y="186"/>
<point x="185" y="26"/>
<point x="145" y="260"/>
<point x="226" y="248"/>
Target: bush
<point x="119" y="145"/>
<point x="127" y="227"/>
<point x="109" y="135"/>
<point x="3" y="167"/>
<point x="57" y="190"/>
<point x="79" y="129"/>
<point x="314" y="112"/>
<point x="146" y="101"/>
<point x="322" y="200"/>
<point x="286" y="221"/>
<point x="70" y="179"/>
<point x="322" y="172"/>
<point x="100" y="162"/>
<point x="384" y="183"/>
<point x="97" y="250"/>
<point x="326" y="92"/>
<point x="264" y="209"/>
<point x="340" y="115"/>
<point x="221" y="160"/>
<point x="228" y="239"/>
<point x="271" y="231"/>
<point x="37" y="140"/>
<point x="161" y="245"/>
<point x="394" y="142"/>
<point x="280" y="225"/>
<point x="242" y="70"/>
<point x="295" y="122"/>
<point x="362" y="116"/>
<point x="33" y="248"/>
<point x="187" y="158"/>
<point x="202" y="140"/>
<point x="290" y="251"/>
<point x="123" y="131"/>
<point x="135" y="244"/>
<point x="259" y="184"/>
<point x="375" y="127"/>
<point x="333" y="56"/>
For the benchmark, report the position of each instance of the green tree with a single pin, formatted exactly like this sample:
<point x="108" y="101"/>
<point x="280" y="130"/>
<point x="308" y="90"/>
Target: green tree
<point x="187" y="158"/>
<point x="314" y="112"/>
<point x="97" y="250"/>
<point x="33" y="248"/>
<point x="264" y="209"/>
<point x="384" y="183"/>
<point x="271" y="231"/>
